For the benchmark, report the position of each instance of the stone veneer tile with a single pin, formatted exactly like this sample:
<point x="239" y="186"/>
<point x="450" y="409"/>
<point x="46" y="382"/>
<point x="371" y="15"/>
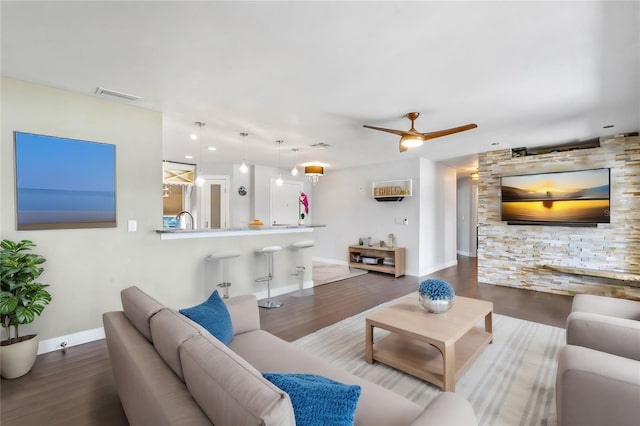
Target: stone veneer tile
<point x="514" y="255"/>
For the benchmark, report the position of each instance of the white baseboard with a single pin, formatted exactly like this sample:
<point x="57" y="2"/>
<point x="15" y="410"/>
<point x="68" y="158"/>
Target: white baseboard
<point x="73" y="339"/>
<point x="466" y="253"/>
<point x="327" y="260"/>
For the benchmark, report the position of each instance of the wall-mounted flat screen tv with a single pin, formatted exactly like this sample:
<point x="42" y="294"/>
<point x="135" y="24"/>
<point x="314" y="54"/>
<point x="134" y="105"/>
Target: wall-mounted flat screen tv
<point x="64" y="183"/>
<point x="578" y="197"/>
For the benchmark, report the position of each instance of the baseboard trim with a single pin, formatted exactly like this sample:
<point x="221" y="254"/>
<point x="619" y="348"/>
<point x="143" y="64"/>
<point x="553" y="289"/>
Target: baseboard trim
<point x="55" y="344"/>
<point x="327" y="260"/>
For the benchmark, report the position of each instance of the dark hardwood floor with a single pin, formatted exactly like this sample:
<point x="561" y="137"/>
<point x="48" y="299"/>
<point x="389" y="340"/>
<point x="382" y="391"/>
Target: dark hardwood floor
<point x="76" y="387"/>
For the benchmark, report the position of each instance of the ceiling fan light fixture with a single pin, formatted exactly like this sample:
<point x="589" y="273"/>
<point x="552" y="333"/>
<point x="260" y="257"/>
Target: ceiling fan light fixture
<point x="411" y="141"/>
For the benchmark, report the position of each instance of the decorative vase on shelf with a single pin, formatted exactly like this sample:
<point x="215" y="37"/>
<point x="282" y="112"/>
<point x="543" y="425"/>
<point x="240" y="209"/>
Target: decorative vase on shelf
<point x="436" y="296"/>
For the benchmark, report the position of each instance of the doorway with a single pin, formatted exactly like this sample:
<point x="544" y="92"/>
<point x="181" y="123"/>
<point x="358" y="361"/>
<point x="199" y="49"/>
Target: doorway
<point x="284" y="202"/>
<point x="213" y="198"/>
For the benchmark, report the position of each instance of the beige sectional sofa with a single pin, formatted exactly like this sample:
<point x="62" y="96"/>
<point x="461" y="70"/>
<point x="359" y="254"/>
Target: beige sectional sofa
<point x="170" y="371"/>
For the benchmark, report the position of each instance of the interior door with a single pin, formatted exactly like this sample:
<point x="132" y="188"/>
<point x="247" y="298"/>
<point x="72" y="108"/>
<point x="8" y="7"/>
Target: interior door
<point x="214" y="203"/>
<point x="284" y="202"/>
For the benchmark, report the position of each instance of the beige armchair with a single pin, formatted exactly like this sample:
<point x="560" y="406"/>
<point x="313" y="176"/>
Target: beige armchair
<point x="596" y="388"/>
<point x="598" y="378"/>
<point x="605" y="324"/>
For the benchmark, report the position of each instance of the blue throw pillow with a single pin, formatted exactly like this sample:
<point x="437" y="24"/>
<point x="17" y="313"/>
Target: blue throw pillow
<point x="318" y="400"/>
<point x="213" y="315"/>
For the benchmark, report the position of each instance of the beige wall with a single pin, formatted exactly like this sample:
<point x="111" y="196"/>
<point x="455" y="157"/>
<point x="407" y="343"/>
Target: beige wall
<point x="513" y="255"/>
<point x="87" y="268"/>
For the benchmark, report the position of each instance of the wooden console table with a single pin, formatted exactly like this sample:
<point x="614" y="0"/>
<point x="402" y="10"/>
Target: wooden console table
<point x="397" y="254"/>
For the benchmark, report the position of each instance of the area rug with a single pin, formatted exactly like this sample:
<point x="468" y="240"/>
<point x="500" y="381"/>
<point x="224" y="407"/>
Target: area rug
<point x="325" y="273"/>
<point x="512" y="382"/>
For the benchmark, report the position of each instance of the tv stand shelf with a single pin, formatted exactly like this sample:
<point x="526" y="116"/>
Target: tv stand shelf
<point x="396" y="254"/>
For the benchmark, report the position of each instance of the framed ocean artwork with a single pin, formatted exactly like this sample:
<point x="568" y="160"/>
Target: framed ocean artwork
<point x="64" y="183"/>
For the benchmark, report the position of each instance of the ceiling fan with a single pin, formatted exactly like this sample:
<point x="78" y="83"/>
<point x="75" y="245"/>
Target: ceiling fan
<point x="412" y="138"/>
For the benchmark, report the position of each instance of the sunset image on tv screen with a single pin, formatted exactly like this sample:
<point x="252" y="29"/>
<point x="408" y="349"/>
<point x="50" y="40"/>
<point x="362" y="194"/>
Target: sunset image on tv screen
<point x="571" y="197"/>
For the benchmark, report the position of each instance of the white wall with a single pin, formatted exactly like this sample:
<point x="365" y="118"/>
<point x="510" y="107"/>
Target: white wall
<point x="437" y="217"/>
<point x="87" y="268"/>
<point x="343" y="200"/>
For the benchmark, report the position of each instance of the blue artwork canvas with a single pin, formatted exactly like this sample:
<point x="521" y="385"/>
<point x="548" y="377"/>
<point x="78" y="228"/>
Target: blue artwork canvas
<point x="64" y="183"/>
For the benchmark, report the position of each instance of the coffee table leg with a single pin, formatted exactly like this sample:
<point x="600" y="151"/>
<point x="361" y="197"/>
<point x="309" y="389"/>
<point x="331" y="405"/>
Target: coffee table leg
<point x="369" y="342"/>
<point x="488" y="324"/>
<point x="449" y="368"/>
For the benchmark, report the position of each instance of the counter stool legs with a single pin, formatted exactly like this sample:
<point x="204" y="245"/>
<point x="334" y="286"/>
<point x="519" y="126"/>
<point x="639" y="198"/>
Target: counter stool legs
<point x="268" y="302"/>
<point x="223" y="257"/>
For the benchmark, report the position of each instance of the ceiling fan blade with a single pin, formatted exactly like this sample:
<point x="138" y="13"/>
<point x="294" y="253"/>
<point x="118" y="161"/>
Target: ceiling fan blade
<point x="402" y="147"/>
<point x="382" y="129"/>
<point x="445" y="132"/>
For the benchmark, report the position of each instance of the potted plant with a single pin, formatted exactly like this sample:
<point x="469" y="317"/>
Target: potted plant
<point x="21" y="300"/>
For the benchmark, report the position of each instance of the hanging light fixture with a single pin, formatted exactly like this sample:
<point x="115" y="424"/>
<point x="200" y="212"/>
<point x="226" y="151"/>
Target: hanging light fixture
<point x="314" y="172"/>
<point x="279" y="181"/>
<point x="294" y="171"/>
<point x="243" y="167"/>
<point x="199" y="178"/>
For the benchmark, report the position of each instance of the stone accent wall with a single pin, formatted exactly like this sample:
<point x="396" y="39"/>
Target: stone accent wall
<point x="514" y="255"/>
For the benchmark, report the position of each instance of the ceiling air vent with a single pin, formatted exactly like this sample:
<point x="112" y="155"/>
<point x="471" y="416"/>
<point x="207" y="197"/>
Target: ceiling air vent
<point x="320" y="145"/>
<point x="124" y="96"/>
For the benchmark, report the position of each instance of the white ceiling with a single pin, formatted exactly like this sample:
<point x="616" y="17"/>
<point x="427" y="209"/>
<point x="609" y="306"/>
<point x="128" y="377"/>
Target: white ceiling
<point x="528" y="73"/>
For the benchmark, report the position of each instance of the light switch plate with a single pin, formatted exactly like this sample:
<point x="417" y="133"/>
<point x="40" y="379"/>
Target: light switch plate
<point x="132" y="225"/>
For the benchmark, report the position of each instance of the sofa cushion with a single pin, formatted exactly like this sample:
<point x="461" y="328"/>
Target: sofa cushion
<point x="317" y="399"/>
<point x="213" y="315"/>
<point x="228" y="389"/>
<point x="139" y="307"/>
<point x="169" y="331"/>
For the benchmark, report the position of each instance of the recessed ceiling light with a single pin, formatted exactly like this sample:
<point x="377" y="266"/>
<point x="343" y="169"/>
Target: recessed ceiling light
<point x="212" y="148"/>
<point x="188" y="157"/>
<point x="608" y="126"/>
<point x="194" y="137"/>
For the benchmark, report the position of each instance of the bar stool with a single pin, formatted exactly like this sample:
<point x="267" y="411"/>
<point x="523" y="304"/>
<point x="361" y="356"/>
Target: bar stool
<point x="268" y="251"/>
<point x="223" y="257"/>
<point x="300" y="268"/>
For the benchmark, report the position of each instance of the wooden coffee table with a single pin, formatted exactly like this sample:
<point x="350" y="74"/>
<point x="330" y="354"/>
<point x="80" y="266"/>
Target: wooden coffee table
<point x="436" y="348"/>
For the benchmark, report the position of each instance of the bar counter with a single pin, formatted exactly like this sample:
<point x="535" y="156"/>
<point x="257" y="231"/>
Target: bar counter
<point x="179" y="234"/>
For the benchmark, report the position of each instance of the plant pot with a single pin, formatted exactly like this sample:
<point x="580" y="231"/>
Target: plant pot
<point x="17" y="359"/>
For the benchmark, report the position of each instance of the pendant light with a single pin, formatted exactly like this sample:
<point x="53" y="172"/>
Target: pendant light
<point x="199" y="178"/>
<point x="294" y="171"/>
<point x="279" y="181"/>
<point x="314" y="172"/>
<point x="243" y="167"/>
